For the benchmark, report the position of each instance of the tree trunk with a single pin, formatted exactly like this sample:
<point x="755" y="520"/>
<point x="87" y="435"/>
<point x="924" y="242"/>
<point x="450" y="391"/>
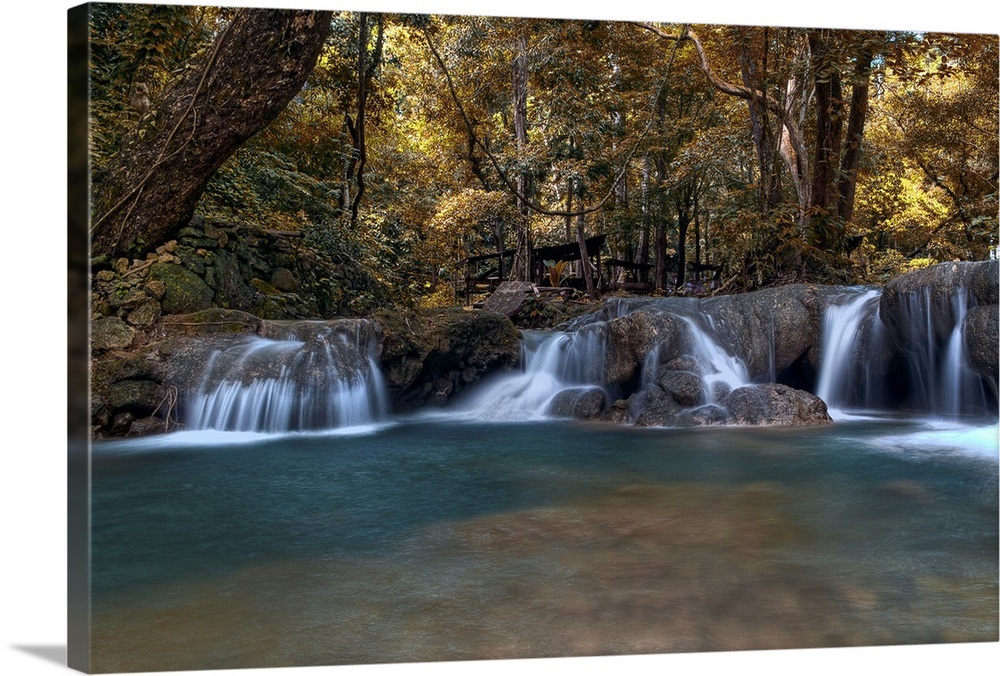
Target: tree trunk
<point x="257" y="64"/>
<point x="697" y="244"/>
<point x="520" y="87"/>
<point x="660" y="246"/>
<point x="760" y="125"/>
<point x="585" y="269"/>
<point x="366" y="69"/>
<point x="829" y="128"/>
<point x="855" y="135"/>
<point x="683" y="200"/>
<point x="643" y="256"/>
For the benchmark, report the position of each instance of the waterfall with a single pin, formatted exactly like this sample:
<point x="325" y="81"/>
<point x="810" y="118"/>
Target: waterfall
<point x="961" y="389"/>
<point x="552" y="363"/>
<point x="313" y="376"/>
<point x="934" y="375"/>
<point x="720" y="371"/>
<point x="942" y="382"/>
<point x="846" y="376"/>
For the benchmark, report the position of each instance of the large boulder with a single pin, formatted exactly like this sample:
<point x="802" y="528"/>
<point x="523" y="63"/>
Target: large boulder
<point x="584" y="403"/>
<point x="431" y="356"/>
<point x="774" y="404"/>
<point x="981" y="341"/>
<point x="685" y="387"/>
<point x="923" y="305"/>
<point x="633" y="338"/>
<point x="770" y="330"/>
<point x="922" y="309"/>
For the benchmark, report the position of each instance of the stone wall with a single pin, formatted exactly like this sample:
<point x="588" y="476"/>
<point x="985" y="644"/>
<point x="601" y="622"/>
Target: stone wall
<point x="269" y="274"/>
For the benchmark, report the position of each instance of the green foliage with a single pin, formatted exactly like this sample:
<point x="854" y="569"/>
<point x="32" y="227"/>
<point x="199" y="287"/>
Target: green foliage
<point x="437" y="296"/>
<point x="927" y="184"/>
<point x="135" y="52"/>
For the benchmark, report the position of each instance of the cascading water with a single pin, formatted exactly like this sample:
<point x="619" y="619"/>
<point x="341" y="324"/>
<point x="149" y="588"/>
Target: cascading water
<point x="721" y="371"/>
<point x="852" y="335"/>
<point x="961" y="388"/>
<point x="552" y="364"/>
<point x="856" y="349"/>
<point x="941" y="380"/>
<point x="313" y="376"/>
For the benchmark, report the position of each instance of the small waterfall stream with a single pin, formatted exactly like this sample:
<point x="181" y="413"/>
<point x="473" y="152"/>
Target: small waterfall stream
<point x="937" y="378"/>
<point x="721" y="371"/>
<point x="312" y="376"/>
<point x="845" y="378"/>
<point x="552" y="364"/>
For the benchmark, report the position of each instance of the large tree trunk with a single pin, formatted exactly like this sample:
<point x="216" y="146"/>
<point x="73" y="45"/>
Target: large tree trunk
<point x="829" y="129"/>
<point x="257" y="64"/>
<point x="855" y="135"/>
<point x="684" y="201"/>
<point x="763" y="135"/>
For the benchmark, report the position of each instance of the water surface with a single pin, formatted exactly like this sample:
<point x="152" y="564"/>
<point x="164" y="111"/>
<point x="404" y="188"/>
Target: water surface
<point x="443" y="539"/>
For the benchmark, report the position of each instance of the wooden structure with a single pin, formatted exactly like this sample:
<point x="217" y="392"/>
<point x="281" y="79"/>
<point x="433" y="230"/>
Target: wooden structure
<point x="638" y="274"/>
<point x="566" y="252"/>
<point x="484" y="273"/>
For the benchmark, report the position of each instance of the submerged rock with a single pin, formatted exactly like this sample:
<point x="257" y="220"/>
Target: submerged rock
<point x="774" y="404"/>
<point x="580" y="403"/>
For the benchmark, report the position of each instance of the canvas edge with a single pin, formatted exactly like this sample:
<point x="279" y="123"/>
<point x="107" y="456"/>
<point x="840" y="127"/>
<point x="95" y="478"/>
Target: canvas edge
<point x="78" y="402"/>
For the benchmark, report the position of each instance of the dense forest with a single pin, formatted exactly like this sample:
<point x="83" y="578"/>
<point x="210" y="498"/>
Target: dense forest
<point x="436" y="151"/>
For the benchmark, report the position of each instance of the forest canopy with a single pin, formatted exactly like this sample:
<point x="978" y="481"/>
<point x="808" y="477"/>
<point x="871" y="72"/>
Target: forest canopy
<point x="711" y="157"/>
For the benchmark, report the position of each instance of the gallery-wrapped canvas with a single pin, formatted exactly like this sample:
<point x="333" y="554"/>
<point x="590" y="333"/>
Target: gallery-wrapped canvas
<point x="419" y="338"/>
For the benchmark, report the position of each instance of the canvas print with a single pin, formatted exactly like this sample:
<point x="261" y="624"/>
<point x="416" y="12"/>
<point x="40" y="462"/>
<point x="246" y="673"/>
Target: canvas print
<point x="420" y="338"/>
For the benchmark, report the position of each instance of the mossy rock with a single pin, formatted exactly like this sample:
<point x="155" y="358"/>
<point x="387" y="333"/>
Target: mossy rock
<point x="264" y="287"/>
<point x="212" y="320"/>
<point x="139" y="397"/>
<point x="453" y="345"/>
<point x="184" y="291"/>
<point x="109" y="333"/>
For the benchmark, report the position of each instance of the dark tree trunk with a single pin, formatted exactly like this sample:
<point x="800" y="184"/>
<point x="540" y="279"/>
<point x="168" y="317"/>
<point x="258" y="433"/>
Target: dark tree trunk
<point x="257" y="64"/>
<point x="643" y="256"/>
<point x="684" y="200"/>
<point x="697" y="244"/>
<point x="660" y="246"/>
<point x="829" y="128"/>
<point x="569" y="210"/>
<point x="763" y="135"/>
<point x="855" y="135"/>
<point x="366" y="70"/>
<point x="585" y="269"/>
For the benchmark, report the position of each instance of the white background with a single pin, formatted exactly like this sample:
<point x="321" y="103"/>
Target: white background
<point x="33" y="387"/>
